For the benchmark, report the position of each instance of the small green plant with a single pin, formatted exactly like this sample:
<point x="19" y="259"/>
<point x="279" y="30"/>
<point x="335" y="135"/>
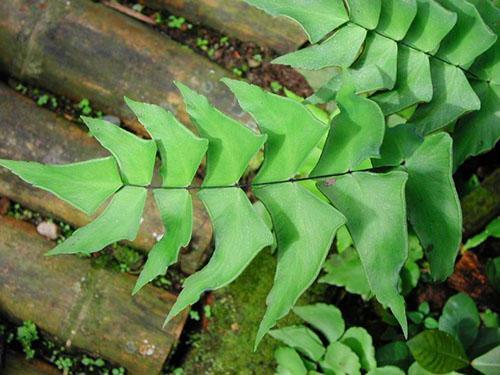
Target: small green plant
<point x="276" y="86"/>
<point x="92" y="363"/>
<point x="64" y="363"/>
<point x="26" y="334"/>
<point x="491" y="230"/>
<point x="175" y="22"/>
<point x="202" y="43"/>
<point x="84" y="106"/>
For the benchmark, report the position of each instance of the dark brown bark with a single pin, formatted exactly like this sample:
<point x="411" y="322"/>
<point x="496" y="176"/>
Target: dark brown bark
<point x="16" y="364"/>
<point x="90" y="309"/>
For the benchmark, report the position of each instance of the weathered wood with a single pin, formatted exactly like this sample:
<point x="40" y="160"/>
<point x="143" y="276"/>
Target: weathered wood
<point x="481" y="205"/>
<point x="82" y="49"/>
<point x="32" y="133"/>
<point x="17" y="364"/>
<point x="238" y="19"/>
<point x="87" y="308"/>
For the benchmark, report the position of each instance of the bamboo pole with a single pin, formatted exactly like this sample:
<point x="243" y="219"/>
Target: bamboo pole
<point x="32" y="133"/>
<point x="87" y="308"/>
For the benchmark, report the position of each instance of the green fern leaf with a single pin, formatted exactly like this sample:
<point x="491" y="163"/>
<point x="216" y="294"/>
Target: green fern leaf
<point x="289" y="362"/>
<point x="135" y="156"/>
<point x="365" y="12"/>
<point x="325" y="318"/>
<point x="85" y="185"/>
<point x="374" y="206"/>
<point x="304" y="227"/>
<point x="231" y="144"/>
<point x="433" y="205"/>
<point x="400" y="142"/>
<point x="340" y="359"/>
<point x="302" y="339"/>
<point x="360" y="342"/>
<point x="119" y="221"/>
<point x="396" y="18"/>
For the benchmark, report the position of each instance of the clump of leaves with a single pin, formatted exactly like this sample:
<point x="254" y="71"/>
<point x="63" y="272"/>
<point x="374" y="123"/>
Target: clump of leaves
<point x="26" y="334"/>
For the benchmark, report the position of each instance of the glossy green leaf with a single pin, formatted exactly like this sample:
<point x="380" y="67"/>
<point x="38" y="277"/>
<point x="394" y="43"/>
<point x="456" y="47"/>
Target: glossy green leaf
<point x="396" y="17"/>
<point x="302" y="339"/>
<point x="85" y="185"/>
<point x="304" y="227"/>
<point x="489" y="363"/>
<point x="460" y="319"/>
<point x="416" y="369"/>
<point x="487" y="339"/>
<point x="365" y="12"/>
<point x="135" y="156"/>
<point x="432" y="23"/>
<point x="317" y="18"/>
<point x="360" y="342"/>
<point x="340" y="359"/>
<point x="355" y="135"/>
<point x="240" y="234"/>
<point x="119" y="221"/>
<point x="376" y="69"/>
<point x="479" y="131"/>
<point x="325" y="318"/>
<point x="181" y="151"/>
<point x="176" y="211"/>
<point x="386" y="370"/>
<point x="487" y="66"/>
<point x="470" y="36"/>
<point x="395" y="353"/>
<point x="400" y="142"/>
<point x="453" y="97"/>
<point x="374" y="205"/>
<point x="438" y="352"/>
<point x="345" y="270"/>
<point x="289" y="362"/>
<point x="231" y="144"/>
<point x="413" y="83"/>
<point x="341" y="49"/>
<point x="433" y="205"/>
<point x="292" y="130"/>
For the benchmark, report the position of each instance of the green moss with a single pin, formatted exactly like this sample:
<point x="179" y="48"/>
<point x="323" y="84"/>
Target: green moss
<point x="226" y="347"/>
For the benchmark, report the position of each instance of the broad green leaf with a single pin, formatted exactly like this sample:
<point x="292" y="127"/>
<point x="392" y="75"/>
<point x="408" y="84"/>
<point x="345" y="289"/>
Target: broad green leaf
<point x="343" y="239"/>
<point x="470" y="36"/>
<point x="487" y="66"/>
<point x="416" y="369"/>
<point x="345" y="270"/>
<point x="240" y="234"/>
<point x="325" y="318"/>
<point x="487" y="339"/>
<point x="396" y="17"/>
<point x="317" y="18"/>
<point x="453" y="97"/>
<point x="289" y="362"/>
<point x="304" y="227"/>
<point x="231" y="145"/>
<point x="460" y="319"/>
<point x="302" y="339"/>
<point x="395" y="353"/>
<point x="181" y="151"/>
<point x="374" y="205"/>
<point x="135" y="156"/>
<point x="365" y="12"/>
<point x="376" y="69"/>
<point x="489" y="363"/>
<point x="341" y="49"/>
<point x="400" y="142"/>
<point x="176" y="210"/>
<point x="479" y="131"/>
<point x="292" y="130"/>
<point x="85" y="185"/>
<point x="360" y="342"/>
<point x="413" y="83"/>
<point x="120" y="221"/>
<point x="433" y="205"/>
<point x="355" y="134"/>
<point x="432" y="23"/>
<point x="386" y="370"/>
<point x="340" y="359"/>
<point x="438" y="352"/>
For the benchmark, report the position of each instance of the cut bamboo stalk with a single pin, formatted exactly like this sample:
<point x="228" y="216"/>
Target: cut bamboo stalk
<point x="237" y="18"/>
<point x="87" y="308"/>
<point x="81" y="49"/>
<point x="36" y="134"/>
<point x="16" y="364"/>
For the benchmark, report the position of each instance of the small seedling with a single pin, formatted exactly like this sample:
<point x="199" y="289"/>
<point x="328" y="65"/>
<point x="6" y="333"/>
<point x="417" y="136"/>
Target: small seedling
<point x="85" y="107"/>
<point x="175" y="22"/>
<point x="26" y="335"/>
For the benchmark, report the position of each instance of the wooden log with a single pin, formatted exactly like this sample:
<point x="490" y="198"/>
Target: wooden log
<point x="82" y="49"/>
<point x="481" y="205"/>
<point x="237" y="18"/>
<point x="17" y="364"/>
<point x="32" y="133"/>
<point x="87" y="308"/>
